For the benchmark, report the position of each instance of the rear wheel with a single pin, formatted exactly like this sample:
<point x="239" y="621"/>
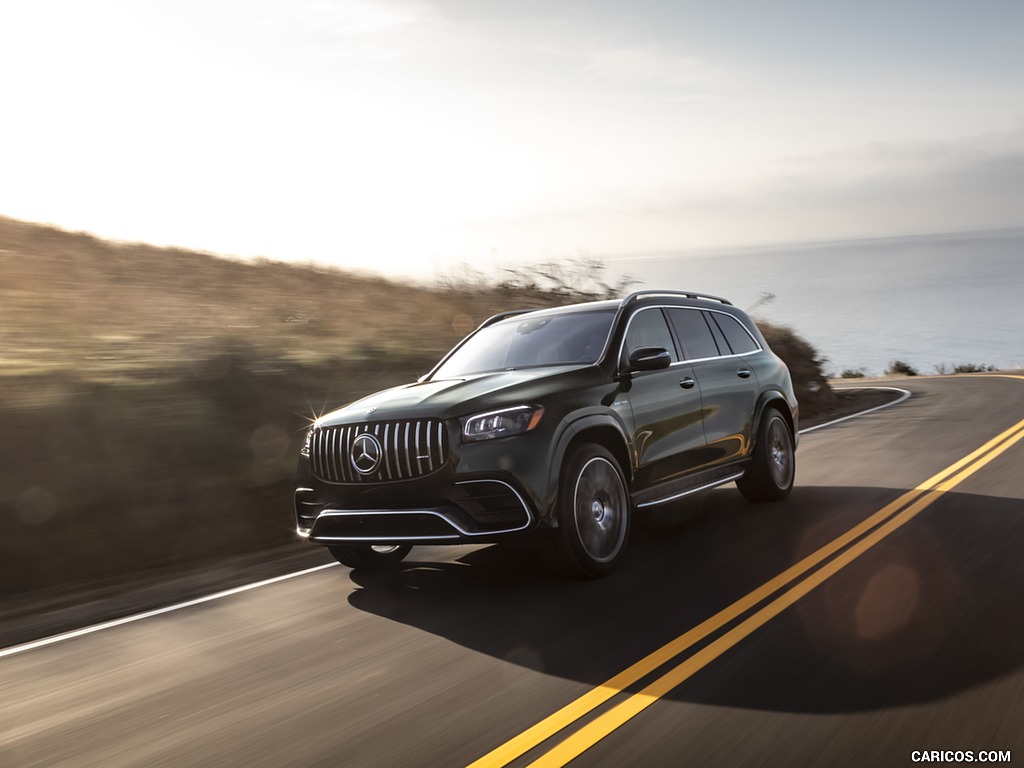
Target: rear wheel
<point x="370" y="557"/>
<point x="593" y="513"/>
<point x="770" y="477"/>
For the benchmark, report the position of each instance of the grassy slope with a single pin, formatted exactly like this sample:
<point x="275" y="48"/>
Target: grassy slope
<point x="151" y="400"/>
<point x="71" y="300"/>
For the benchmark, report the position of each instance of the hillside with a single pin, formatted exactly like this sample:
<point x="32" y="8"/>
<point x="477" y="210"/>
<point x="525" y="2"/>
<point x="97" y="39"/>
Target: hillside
<point x="73" y="302"/>
<point x="72" y="299"/>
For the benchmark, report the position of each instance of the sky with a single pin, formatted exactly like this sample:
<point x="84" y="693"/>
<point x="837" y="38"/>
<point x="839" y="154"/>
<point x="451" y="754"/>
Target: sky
<point x="408" y="136"/>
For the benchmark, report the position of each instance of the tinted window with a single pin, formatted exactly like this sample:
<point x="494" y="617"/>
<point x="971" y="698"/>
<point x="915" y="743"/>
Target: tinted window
<point x="528" y="342"/>
<point x="739" y="340"/>
<point x="647" y="328"/>
<point x="723" y="345"/>
<point x="693" y="333"/>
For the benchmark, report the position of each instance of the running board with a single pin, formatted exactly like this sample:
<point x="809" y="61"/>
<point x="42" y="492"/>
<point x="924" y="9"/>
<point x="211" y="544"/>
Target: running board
<point x="687" y="486"/>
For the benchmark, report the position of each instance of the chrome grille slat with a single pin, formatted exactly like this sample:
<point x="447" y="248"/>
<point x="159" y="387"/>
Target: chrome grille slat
<point x="344" y="448"/>
<point x="430" y="453"/>
<point x="408" y="464"/>
<point x="409" y="449"/>
<point x="343" y="442"/>
<point x="315" y="453"/>
<point x="350" y="436"/>
<point x="320" y="450"/>
<point x="416" y="452"/>
<point x="398" y="463"/>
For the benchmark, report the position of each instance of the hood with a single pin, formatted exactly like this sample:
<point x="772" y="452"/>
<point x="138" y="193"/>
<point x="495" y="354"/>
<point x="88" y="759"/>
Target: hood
<point x="449" y="398"/>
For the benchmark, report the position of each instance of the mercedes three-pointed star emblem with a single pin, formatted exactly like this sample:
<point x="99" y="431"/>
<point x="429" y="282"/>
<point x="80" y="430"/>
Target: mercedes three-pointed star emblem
<point x="366" y="454"/>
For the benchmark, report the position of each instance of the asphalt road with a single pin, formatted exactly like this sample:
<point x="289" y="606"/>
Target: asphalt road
<point x="873" y="615"/>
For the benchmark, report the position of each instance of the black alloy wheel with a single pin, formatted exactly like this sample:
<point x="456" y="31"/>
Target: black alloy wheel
<point x="770" y="477"/>
<point x="594" y="512"/>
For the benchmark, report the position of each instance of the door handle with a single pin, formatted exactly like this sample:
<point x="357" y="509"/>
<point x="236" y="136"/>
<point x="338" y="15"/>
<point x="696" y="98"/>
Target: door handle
<point x="687" y="383"/>
<point x="743" y="373"/>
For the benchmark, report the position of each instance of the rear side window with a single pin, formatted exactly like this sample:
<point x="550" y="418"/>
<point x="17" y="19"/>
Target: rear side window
<point x="647" y="328"/>
<point x="739" y="339"/>
<point x="723" y="345"/>
<point x="694" y="334"/>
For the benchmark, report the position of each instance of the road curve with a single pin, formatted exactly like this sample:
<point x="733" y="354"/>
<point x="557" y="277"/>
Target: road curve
<point x="873" y="616"/>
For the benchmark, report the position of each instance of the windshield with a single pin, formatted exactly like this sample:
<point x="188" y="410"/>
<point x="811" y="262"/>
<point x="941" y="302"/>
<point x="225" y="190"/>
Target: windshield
<point x="574" y="338"/>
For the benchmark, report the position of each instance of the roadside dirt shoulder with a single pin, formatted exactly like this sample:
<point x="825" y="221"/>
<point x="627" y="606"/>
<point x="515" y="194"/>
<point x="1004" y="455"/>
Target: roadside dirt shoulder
<point x="851" y="400"/>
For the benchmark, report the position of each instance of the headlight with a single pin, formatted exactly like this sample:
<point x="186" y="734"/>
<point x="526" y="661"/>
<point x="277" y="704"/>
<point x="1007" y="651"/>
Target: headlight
<point x="511" y="421"/>
<point x="309" y="439"/>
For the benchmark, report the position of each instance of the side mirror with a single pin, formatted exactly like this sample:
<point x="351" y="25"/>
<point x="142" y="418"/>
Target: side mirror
<point x="649" y="359"/>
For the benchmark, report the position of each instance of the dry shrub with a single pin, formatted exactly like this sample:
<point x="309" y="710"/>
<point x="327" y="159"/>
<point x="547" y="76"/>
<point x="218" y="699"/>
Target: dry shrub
<point x="805" y="366"/>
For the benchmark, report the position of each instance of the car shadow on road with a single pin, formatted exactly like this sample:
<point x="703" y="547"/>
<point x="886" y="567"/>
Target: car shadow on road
<point x="929" y="611"/>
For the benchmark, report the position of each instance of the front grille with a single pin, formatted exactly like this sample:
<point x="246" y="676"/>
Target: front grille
<point x="399" y="450"/>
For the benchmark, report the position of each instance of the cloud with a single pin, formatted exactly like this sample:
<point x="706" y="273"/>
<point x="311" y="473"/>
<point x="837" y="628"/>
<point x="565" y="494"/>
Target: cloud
<point x="345" y="22"/>
<point x="871" y="190"/>
<point x="648" y="67"/>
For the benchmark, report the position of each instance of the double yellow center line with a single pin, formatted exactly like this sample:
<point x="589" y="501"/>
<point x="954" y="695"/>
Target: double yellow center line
<point x="850" y="545"/>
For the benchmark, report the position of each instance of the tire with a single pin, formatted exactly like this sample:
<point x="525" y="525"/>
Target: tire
<point x="770" y="477"/>
<point x="594" y="512"/>
<point x="371" y="557"/>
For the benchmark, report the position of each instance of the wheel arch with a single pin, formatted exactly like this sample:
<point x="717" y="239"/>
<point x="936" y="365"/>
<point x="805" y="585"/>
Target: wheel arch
<point x="773" y="400"/>
<point x="601" y="429"/>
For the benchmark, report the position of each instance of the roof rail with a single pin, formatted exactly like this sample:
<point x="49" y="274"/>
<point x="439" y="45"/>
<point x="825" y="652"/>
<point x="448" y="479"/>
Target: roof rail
<point x="637" y="295"/>
<point x="501" y="316"/>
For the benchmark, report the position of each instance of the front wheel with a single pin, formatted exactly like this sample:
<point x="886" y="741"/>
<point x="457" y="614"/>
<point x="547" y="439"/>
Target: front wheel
<point x="370" y="557"/>
<point x="770" y="476"/>
<point x="593" y="513"/>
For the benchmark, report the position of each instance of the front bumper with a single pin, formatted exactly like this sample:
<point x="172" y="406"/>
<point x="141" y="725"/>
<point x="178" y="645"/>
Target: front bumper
<point x="454" y="511"/>
<point x="428" y="487"/>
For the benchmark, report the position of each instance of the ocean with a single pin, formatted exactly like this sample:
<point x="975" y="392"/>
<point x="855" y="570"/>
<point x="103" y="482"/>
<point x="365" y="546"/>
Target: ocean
<point x="932" y="301"/>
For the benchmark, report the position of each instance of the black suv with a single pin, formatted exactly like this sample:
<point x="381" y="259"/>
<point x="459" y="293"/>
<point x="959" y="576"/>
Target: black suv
<point x="554" y="425"/>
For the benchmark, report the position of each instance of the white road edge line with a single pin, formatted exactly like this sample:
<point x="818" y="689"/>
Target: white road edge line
<point x="904" y="396"/>
<point x="53" y="640"/>
<point x="16" y="649"/>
